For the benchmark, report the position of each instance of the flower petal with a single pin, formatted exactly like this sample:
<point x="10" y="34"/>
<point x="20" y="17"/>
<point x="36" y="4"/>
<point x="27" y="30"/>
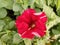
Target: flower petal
<point x="22" y="27"/>
<point x="28" y="34"/>
<point x="40" y="29"/>
<point x="41" y="16"/>
<point x="28" y="17"/>
<point x="38" y="32"/>
<point x="25" y="16"/>
<point x="40" y="25"/>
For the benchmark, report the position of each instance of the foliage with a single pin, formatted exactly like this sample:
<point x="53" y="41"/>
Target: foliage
<point x="10" y="9"/>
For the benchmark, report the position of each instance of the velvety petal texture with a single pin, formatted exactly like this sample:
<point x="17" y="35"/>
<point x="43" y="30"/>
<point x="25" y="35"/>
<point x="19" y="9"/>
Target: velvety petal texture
<point x="30" y="24"/>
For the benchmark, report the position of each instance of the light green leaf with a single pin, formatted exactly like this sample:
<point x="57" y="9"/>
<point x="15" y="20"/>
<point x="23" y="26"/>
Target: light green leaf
<point x="16" y="7"/>
<point x="2" y="43"/>
<point x="49" y="2"/>
<point x="3" y="13"/>
<point x="3" y="3"/>
<point x="47" y="36"/>
<point x="10" y="4"/>
<point x="58" y="7"/>
<point x="18" y="1"/>
<point x="5" y="37"/>
<point x="25" y="5"/>
<point x="40" y="42"/>
<point x="49" y="12"/>
<point x="31" y="3"/>
<point x="52" y="23"/>
<point x="2" y="24"/>
<point x="51" y="15"/>
<point x="58" y="4"/>
<point x="27" y="41"/>
<point x="17" y="39"/>
<point x="6" y="3"/>
<point x="40" y="3"/>
<point x="55" y="2"/>
<point x="1" y="27"/>
<point x="2" y="33"/>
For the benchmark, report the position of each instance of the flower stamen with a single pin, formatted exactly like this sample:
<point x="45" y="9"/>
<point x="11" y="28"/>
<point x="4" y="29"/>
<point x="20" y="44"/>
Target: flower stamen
<point x="32" y="26"/>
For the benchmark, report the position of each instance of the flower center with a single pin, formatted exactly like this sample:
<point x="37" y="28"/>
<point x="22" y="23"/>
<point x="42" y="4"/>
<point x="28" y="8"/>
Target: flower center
<point x="31" y="26"/>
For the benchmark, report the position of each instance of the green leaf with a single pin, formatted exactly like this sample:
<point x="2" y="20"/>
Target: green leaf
<point x="56" y="42"/>
<point x="10" y="4"/>
<point x="3" y="3"/>
<point x="2" y="43"/>
<point x="54" y="19"/>
<point x="55" y="2"/>
<point x="25" y="5"/>
<point x="56" y="29"/>
<point x="52" y="23"/>
<point x="40" y="3"/>
<point x="49" y="2"/>
<point x="2" y="33"/>
<point x="6" y="3"/>
<point x="5" y="37"/>
<point x="7" y="19"/>
<point x="37" y="10"/>
<point x="40" y="42"/>
<point x="2" y="24"/>
<point x="8" y="37"/>
<point x="58" y="4"/>
<point x="16" y="7"/>
<point x="3" y="13"/>
<point x="1" y="27"/>
<point x="27" y="41"/>
<point x="17" y="39"/>
<point x="18" y="1"/>
<point x="31" y="3"/>
<point x="22" y="43"/>
<point x="49" y="12"/>
<point x="11" y="24"/>
<point x="55" y="32"/>
<point x="58" y="12"/>
<point x="47" y="36"/>
<point x="16" y="13"/>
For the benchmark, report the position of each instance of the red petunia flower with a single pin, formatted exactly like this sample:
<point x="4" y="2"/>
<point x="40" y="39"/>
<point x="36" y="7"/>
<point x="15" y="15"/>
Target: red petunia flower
<point x="31" y="24"/>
